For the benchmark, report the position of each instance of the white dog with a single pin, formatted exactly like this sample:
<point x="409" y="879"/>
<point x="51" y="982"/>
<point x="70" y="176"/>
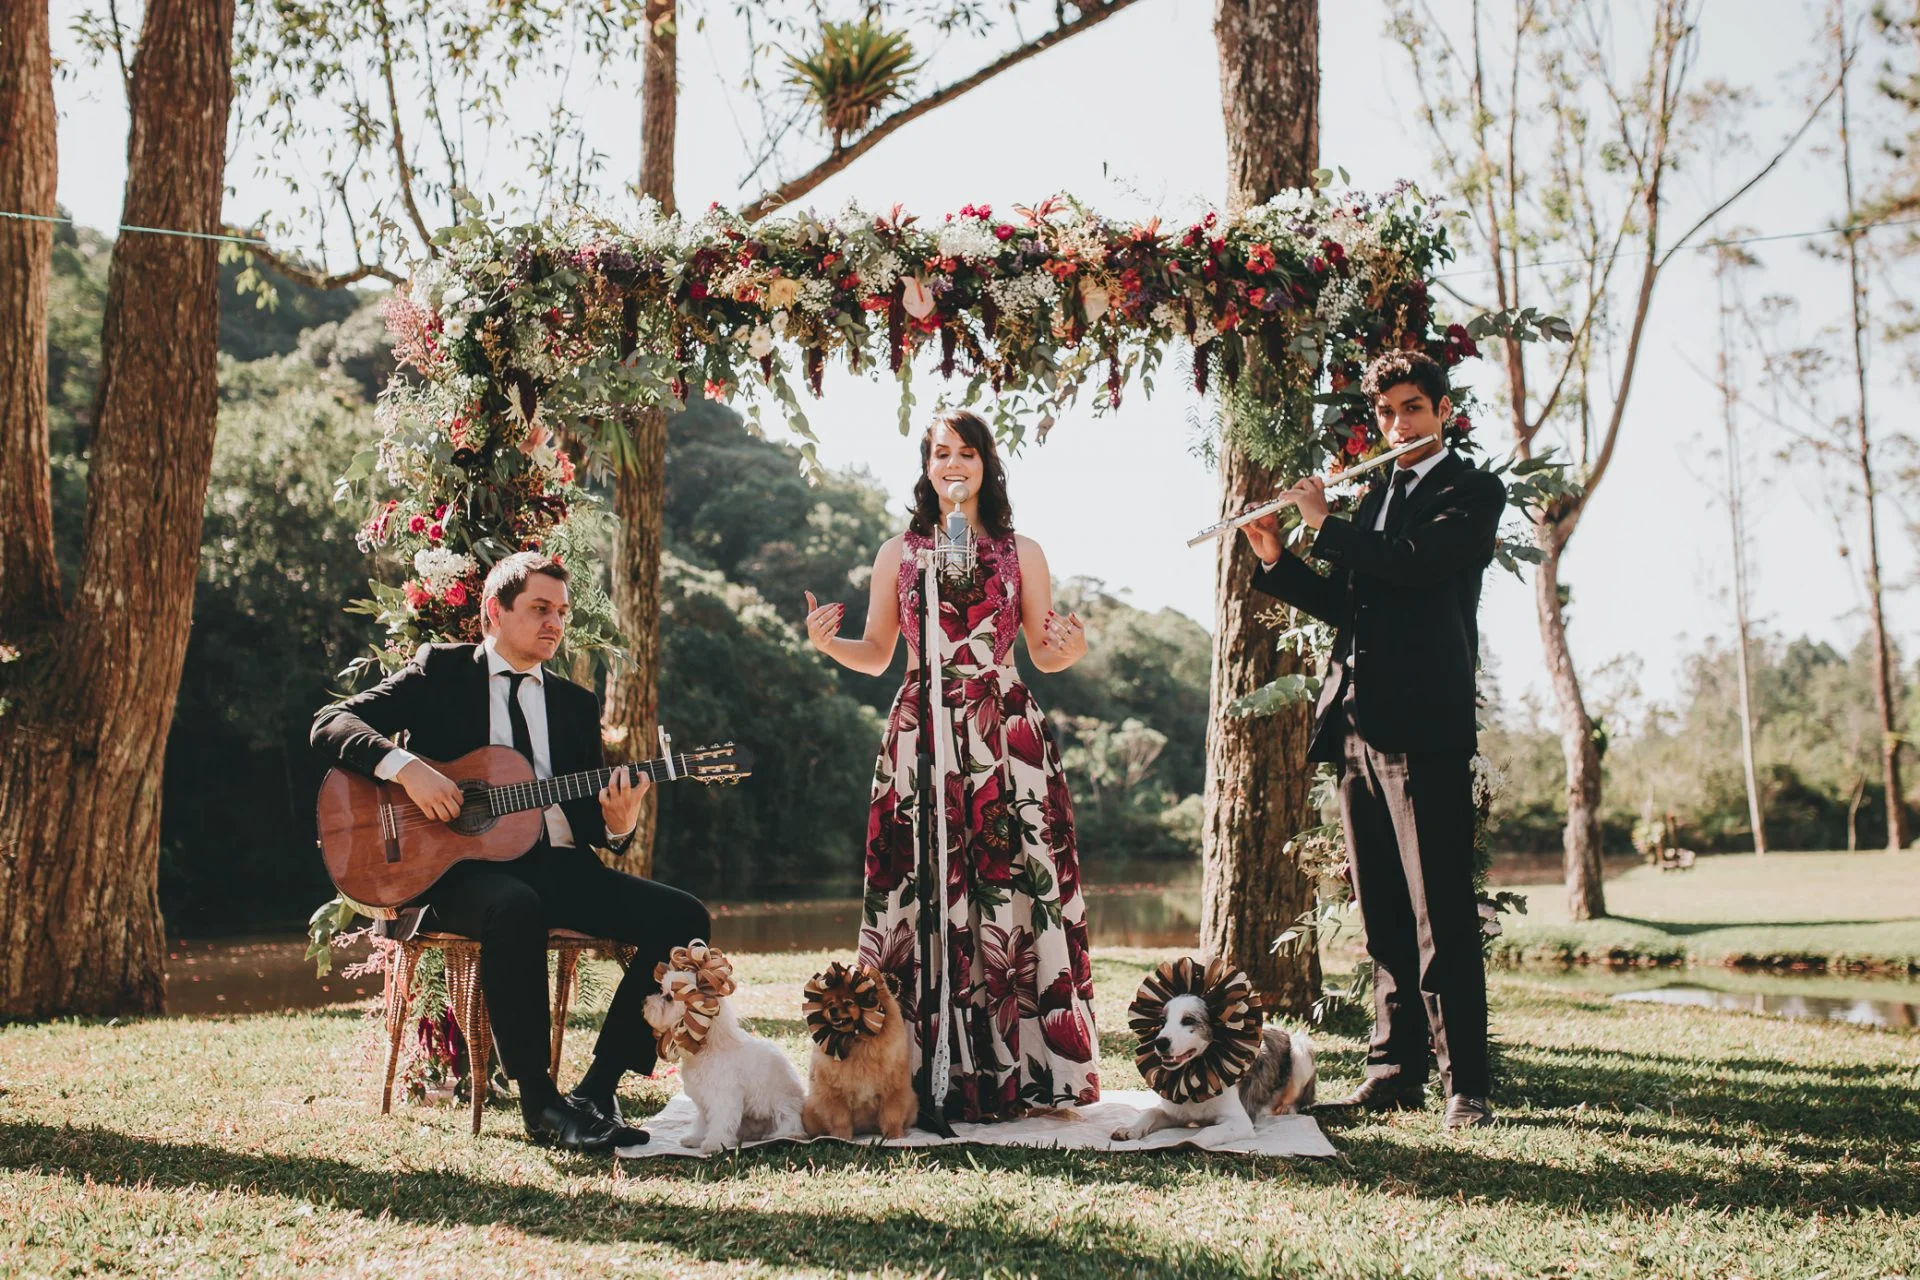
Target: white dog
<point x="1279" y="1082"/>
<point x="743" y="1086"/>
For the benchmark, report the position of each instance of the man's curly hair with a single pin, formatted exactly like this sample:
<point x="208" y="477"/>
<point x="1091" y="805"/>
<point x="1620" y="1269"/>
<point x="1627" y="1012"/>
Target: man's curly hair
<point x="1398" y="368"/>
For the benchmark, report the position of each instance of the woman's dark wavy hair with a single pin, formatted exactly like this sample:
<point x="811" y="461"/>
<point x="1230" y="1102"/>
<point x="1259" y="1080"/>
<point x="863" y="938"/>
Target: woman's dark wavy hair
<point x="996" y="513"/>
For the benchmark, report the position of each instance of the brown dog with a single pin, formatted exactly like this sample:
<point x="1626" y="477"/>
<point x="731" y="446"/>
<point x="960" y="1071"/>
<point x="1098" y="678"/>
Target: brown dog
<point x="860" y="1079"/>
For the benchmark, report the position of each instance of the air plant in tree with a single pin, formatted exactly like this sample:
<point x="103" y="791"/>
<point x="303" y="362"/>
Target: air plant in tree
<point x="857" y="69"/>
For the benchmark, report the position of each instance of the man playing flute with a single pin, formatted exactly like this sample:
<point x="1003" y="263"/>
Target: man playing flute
<point x="1396" y="715"/>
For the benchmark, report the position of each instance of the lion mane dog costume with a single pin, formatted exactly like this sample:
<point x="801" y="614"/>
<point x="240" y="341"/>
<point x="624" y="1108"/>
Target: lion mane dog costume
<point x="860" y="1079"/>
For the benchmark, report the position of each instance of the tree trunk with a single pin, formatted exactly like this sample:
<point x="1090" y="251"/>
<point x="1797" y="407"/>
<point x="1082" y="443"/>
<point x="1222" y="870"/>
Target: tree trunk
<point x="1258" y="776"/>
<point x="82" y="746"/>
<point x="632" y="714"/>
<point x="1737" y="529"/>
<point x="1863" y="457"/>
<point x="29" y="577"/>
<point x="1586" y="898"/>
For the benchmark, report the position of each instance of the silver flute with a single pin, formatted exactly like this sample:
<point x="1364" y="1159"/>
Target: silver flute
<point x="1345" y="477"/>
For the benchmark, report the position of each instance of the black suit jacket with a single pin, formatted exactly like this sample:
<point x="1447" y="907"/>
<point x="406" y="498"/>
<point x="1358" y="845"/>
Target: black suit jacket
<point x="1408" y="604"/>
<point x="440" y="700"/>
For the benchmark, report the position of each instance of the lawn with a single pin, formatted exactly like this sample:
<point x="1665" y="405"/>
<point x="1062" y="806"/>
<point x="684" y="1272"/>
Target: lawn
<point x="1839" y="911"/>
<point x="1637" y="1140"/>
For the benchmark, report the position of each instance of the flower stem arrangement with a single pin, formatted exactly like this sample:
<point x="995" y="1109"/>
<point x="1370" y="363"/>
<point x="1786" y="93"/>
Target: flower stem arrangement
<point x="525" y="349"/>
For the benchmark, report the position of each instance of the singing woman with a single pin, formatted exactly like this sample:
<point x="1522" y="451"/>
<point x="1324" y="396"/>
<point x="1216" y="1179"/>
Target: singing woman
<point x="1019" y="1015"/>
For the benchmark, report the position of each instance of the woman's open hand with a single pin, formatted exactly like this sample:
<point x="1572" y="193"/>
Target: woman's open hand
<point x="823" y="621"/>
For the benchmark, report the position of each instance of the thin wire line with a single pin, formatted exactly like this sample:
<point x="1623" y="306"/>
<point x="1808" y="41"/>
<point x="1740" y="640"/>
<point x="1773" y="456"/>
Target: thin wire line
<point x="1703" y="245"/>
<point x="152" y="231"/>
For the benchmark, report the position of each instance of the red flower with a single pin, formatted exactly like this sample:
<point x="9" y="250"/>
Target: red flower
<point x="993" y="824"/>
<point x="1260" y="259"/>
<point x="1024" y="742"/>
<point x="1255" y="297"/>
<point x="1067" y="1034"/>
<point x="1355" y="447"/>
<point x="890" y="843"/>
<point x="876" y="302"/>
<point x="418" y="596"/>
<point x="456" y="595"/>
<point x="1463" y="423"/>
<point x="718" y="390"/>
<point x="440" y="512"/>
<point x="417" y="525"/>
<point x="981" y="696"/>
<point x="1003" y="232"/>
<point x="1318" y="266"/>
<point x="697" y="289"/>
<point x="435" y="532"/>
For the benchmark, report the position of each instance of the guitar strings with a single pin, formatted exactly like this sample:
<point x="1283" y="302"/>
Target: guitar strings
<point x="412" y="819"/>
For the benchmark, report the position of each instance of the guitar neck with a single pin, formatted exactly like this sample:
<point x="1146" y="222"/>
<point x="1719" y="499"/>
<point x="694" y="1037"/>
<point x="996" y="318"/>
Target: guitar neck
<point x="542" y="792"/>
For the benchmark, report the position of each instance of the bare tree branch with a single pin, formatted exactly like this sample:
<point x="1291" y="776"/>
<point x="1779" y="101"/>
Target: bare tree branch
<point x="399" y="140"/>
<point x="841" y="157"/>
<point x="313" y="278"/>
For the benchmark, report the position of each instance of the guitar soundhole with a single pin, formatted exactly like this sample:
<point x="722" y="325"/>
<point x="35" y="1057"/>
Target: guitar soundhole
<point x="475" y="816"/>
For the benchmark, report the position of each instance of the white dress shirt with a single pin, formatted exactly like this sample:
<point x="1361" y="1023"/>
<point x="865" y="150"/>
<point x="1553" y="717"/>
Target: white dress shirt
<point x="533" y="705"/>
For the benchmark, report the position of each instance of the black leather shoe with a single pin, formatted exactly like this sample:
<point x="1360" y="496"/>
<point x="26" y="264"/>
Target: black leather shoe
<point x="1381" y="1093"/>
<point x="588" y="1106"/>
<point x="562" y="1125"/>
<point x="1464" y="1112"/>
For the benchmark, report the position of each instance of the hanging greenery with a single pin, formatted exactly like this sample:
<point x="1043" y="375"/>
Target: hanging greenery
<point x="525" y="348"/>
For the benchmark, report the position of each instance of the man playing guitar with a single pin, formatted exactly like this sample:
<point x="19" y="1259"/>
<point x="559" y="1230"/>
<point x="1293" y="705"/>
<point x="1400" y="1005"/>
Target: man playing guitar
<point x="454" y="698"/>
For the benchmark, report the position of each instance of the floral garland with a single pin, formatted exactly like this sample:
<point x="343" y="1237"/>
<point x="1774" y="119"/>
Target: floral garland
<point x="523" y="349"/>
<point x="1235" y="1018"/>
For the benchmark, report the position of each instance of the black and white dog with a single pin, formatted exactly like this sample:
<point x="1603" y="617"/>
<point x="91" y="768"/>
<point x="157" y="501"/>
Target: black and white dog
<point x="1280" y="1081"/>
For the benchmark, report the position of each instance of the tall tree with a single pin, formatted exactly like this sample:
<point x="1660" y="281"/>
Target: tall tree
<point x="1559" y="138"/>
<point x="89" y="699"/>
<point x="632" y="713"/>
<point x="1729" y="259"/>
<point x="1258" y="777"/>
<point x="1863" y="453"/>
<point x="29" y="578"/>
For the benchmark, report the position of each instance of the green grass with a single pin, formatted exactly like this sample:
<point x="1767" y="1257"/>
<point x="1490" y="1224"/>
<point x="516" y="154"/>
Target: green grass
<point x="1638" y="1140"/>
<point x="1838" y="911"/>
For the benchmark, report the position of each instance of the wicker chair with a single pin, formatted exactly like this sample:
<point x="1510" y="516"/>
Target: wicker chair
<point x="469" y="1002"/>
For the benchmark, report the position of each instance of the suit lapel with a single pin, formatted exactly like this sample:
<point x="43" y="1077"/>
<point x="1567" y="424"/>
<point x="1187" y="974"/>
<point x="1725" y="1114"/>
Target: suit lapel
<point x="1369" y="511"/>
<point x="1431" y="490"/>
<point x="477" y="725"/>
<point x="557" y="736"/>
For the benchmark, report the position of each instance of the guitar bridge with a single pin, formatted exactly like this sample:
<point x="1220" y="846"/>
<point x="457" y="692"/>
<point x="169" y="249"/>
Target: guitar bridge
<point x="390" y="832"/>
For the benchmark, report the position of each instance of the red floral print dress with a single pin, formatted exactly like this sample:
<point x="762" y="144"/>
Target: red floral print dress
<point x="1019" y="989"/>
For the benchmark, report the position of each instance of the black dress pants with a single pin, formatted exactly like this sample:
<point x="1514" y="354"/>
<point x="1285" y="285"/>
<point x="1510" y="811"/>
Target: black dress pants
<point x="509" y="906"/>
<point x="1409" y="820"/>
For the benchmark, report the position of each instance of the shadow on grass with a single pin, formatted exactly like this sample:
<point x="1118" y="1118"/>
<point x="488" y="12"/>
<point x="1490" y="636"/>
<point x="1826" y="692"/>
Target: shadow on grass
<point x="1689" y="928"/>
<point x="779" y="1238"/>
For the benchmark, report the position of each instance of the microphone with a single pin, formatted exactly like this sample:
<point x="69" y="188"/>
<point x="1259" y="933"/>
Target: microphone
<point x="955" y="553"/>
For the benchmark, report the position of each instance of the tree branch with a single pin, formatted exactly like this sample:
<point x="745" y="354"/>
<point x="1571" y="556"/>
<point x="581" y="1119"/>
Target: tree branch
<point x="838" y="159"/>
<point x="399" y="141"/>
<point x="311" y="277"/>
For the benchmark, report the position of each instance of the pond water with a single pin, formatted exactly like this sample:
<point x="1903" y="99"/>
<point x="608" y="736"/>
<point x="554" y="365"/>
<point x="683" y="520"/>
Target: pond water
<point x="1781" y="999"/>
<point x="1149" y="907"/>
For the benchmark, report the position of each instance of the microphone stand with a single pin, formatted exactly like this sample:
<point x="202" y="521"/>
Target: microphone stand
<point x="930" y="886"/>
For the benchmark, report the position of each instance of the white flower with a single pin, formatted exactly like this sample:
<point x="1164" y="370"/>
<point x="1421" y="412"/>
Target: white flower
<point x="439" y="565"/>
<point x="815" y="294"/>
<point x="760" y="345"/>
<point x="916" y="298"/>
<point x="968" y="238"/>
<point x="456" y="327"/>
<point x="1167" y="315"/>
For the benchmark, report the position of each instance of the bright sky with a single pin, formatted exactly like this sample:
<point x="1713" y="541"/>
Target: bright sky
<point x="1128" y="118"/>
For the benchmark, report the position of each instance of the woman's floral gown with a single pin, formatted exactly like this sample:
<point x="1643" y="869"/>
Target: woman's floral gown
<point x="1019" y="991"/>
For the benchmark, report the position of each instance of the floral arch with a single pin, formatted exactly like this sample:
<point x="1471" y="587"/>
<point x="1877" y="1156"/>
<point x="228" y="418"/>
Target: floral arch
<point x="524" y="348"/>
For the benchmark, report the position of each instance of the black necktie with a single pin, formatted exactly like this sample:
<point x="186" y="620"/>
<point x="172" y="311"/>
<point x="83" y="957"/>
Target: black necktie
<point x="1397" y="506"/>
<point x="522" y="738"/>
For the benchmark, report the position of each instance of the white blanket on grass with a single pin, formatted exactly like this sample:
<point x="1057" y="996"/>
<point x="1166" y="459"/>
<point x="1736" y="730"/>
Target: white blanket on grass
<point x="1085" y="1128"/>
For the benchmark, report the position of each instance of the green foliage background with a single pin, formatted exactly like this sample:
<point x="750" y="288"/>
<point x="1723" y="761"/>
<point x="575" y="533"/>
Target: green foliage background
<point x="746" y="534"/>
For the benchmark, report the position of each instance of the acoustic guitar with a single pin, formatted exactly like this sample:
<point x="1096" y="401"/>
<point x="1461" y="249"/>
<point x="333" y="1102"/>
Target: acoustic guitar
<point x="381" y="850"/>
